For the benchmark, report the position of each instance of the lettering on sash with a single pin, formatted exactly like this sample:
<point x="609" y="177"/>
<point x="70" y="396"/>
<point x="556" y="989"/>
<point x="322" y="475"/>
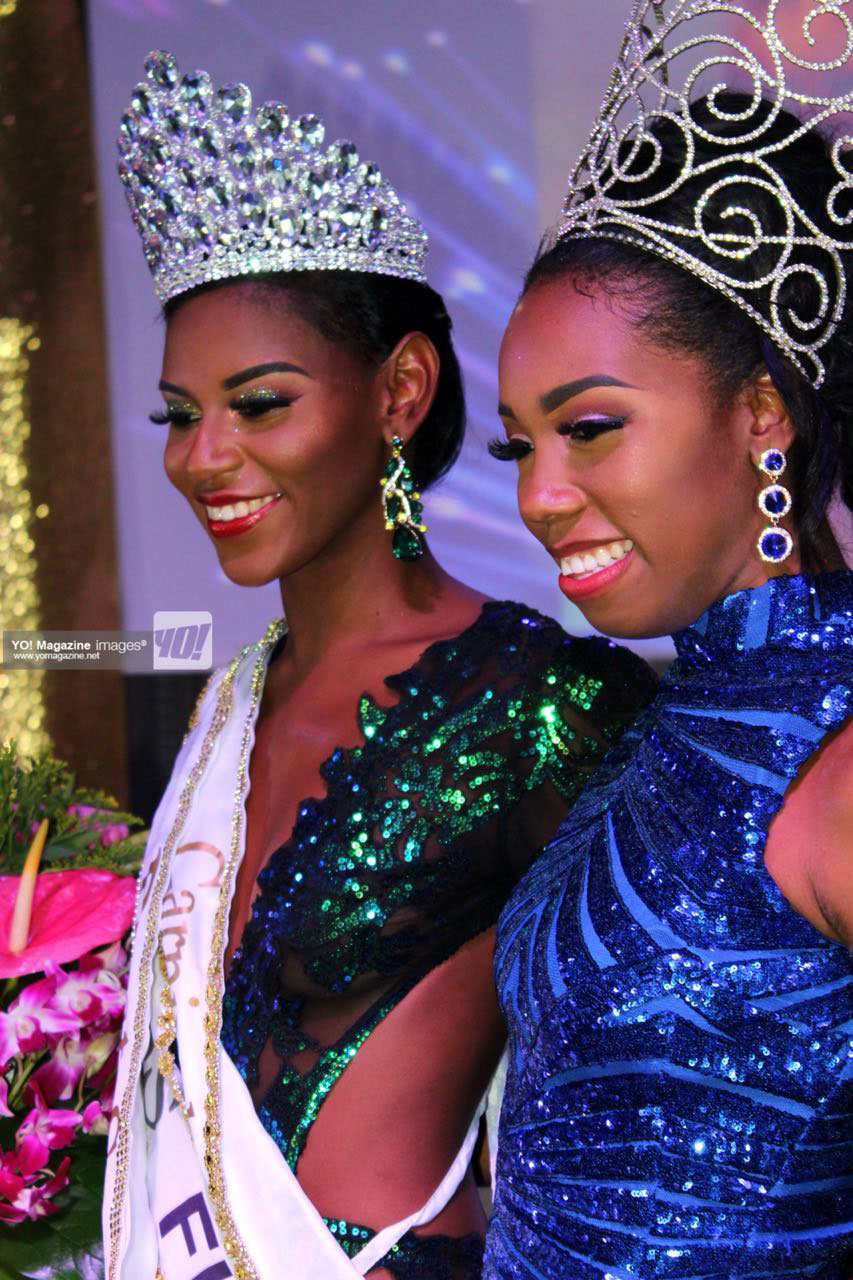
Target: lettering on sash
<point x="172" y="955"/>
<point x="181" y="1216"/>
<point x="175" y="909"/>
<point x="204" y="847"/>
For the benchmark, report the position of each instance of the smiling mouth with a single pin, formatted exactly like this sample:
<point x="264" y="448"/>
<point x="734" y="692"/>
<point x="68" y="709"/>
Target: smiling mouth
<point x="237" y="510"/>
<point x="582" y="564"/>
<point x="238" y="517"/>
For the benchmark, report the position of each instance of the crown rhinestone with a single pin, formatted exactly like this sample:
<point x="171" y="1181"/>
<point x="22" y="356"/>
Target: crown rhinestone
<point x="665" y="53"/>
<point x="218" y="191"/>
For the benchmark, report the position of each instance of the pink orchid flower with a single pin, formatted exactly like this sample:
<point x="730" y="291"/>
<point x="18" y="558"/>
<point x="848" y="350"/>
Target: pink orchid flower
<point x="4" y="1101"/>
<point x="91" y="998"/>
<point x="29" y="1200"/>
<point x="11" y="1182"/>
<point x="58" y="1078"/>
<point x="31" y="1021"/>
<point x="82" y="810"/>
<point x="94" y="1118"/>
<point x="73" y="912"/>
<point x="114" y="831"/>
<point x="44" y="1129"/>
<point x="111" y="959"/>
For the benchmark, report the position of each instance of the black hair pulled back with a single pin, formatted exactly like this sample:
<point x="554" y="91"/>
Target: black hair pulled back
<point x="367" y="314"/>
<point x="678" y="311"/>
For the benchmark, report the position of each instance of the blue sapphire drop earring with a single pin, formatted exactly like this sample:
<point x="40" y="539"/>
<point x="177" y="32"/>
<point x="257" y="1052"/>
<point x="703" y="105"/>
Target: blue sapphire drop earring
<point x="402" y="506"/>
<point x="774" y="501"/>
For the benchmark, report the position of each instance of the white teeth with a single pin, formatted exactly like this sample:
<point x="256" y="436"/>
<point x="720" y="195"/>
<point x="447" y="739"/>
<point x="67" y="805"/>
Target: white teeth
<point x="579" y="566"/>
<point x="237" y="510"/>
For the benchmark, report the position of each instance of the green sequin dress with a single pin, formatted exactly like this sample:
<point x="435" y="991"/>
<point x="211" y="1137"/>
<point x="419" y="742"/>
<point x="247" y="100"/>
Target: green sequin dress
<point x="421" y="836"/>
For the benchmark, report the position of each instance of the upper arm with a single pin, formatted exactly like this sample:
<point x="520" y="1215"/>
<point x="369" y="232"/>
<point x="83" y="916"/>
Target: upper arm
<point x="830" y="857"/>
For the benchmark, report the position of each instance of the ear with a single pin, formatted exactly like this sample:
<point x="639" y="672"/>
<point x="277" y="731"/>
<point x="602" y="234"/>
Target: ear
<point x="770" y="426"/>
<point x="410" y="377"/>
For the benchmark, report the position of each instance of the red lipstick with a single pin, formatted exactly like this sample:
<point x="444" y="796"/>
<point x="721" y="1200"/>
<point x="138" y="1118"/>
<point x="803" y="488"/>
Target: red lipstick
<point x="240" y="524"/>
<point x="592" y="583"/>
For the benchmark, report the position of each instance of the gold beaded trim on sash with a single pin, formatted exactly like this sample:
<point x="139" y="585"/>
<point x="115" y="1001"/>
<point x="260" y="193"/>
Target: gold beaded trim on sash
<point x="212" y="1159"/>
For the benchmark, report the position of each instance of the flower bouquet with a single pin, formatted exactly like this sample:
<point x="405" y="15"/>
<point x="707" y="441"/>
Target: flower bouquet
<point x="66" y="900"/>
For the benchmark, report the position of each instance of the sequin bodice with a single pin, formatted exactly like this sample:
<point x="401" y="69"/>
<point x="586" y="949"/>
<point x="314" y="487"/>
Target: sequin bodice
<point x="679" y="1101"/>
<point x="422" y="833"/>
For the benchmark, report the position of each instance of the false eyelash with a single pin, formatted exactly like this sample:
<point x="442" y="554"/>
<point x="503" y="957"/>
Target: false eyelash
<point x="509" y="450"/>
<point x="253" y="407"/>
<point x="172" y="418"/>
<point x="586" y="430"/>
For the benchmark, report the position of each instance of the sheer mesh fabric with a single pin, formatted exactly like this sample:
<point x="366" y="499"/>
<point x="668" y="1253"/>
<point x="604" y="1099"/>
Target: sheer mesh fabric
<point x="424" y="829"/>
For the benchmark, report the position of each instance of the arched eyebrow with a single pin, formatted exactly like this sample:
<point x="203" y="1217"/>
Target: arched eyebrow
<point x="552" y="400"/>
<point x="258" y="371"/>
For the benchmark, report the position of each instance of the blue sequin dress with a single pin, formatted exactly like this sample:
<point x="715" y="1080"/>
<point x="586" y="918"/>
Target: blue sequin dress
<point x="422" y="833"/>
<point x="679" y="1101"/>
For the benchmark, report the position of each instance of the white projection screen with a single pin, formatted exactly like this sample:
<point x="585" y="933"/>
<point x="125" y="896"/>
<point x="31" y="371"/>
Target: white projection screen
<point x="474" y="109"/>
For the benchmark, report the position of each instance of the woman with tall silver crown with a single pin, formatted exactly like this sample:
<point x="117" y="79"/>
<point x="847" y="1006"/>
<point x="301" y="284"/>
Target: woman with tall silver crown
<point x="311" y="1017"/>
<point x="677" y="380"/>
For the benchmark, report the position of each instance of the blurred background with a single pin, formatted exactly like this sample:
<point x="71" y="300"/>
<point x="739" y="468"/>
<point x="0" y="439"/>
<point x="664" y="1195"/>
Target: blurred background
<point x="474" y="110"/>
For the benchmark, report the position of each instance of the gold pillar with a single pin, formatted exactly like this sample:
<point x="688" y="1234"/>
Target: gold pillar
<point x="56" y="485"/>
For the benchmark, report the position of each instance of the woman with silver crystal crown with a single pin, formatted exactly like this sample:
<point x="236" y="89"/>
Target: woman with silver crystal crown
<point x="311" y="1017"/>
<point x="677" y="391"/>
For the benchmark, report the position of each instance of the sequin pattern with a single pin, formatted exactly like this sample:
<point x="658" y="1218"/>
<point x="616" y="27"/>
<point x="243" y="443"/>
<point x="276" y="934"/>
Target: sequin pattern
<point x="422" y="833"/>
<point x="679" y="1101"/>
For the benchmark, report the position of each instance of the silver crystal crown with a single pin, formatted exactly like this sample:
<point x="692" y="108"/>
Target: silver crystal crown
<point x="217" y="189"/>
<point x="666" y="51"/>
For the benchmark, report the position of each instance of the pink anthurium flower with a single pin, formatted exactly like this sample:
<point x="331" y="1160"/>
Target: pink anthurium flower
<point x="73" y="912"/>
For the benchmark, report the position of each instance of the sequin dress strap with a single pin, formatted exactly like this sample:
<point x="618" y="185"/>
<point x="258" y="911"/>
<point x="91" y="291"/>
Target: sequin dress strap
<point x="679" y="1100"/>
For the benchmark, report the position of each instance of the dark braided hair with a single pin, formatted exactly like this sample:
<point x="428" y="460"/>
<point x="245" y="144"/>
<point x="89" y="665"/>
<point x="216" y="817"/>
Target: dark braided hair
<point x="367" y="314"/>
<point x="678" y="311"/>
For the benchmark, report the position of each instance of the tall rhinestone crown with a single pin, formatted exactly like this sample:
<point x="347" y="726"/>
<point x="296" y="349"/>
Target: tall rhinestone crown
<point x="655" y="87"/>
<point x="217" y="189"/>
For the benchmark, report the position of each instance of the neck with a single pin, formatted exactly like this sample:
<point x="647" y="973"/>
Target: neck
<point x="357" y="594"/>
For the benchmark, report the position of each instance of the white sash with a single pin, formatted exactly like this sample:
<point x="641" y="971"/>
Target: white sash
<point x="210" y="1196"/>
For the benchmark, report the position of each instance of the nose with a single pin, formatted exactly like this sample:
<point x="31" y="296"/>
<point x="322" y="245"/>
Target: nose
<point x="548" y="494"/>
<point x="211" y="450"/>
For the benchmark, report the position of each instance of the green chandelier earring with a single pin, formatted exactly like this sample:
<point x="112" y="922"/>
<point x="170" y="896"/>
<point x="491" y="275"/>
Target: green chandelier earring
<point x="401" y="505"/>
